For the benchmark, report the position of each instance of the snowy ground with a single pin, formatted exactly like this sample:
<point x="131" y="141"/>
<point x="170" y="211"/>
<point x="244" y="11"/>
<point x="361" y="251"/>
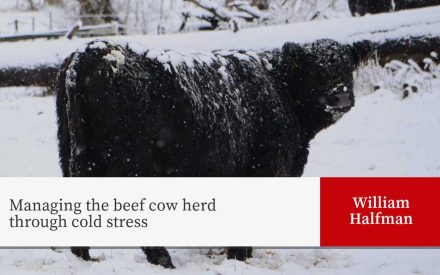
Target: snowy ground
<point x="27" y="134"/>
<point x="196" y="261"/>
<point x="382" y="136"/>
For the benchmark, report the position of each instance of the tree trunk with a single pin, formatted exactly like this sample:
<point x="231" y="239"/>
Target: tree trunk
<point x="261" y="4"/>
<point x="31" y="5"/>
<point x="416" y="48"/>
<point x="44" y="75"/>
<point x="54" y="2"/>
<point x="94" y="12"/>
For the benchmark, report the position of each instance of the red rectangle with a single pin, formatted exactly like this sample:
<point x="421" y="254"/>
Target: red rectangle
<point x="380" y="212"/>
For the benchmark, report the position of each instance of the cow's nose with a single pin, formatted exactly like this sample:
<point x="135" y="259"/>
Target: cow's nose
<point x="341" y="100"/>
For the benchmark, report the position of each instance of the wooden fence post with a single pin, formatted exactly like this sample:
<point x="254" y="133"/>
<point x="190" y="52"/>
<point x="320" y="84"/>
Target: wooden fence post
<point x="50" y="21"/>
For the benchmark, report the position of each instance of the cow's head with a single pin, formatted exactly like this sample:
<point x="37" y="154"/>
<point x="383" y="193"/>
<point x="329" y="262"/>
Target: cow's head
<point x="319" y="79"/>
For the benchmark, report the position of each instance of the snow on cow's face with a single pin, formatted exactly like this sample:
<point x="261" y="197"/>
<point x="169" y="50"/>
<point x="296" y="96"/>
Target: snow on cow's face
<point x="321" y="73"/>
<point x="334" y="64"/>
<point x="330" y="85"/>
<point x="320" y="79"/>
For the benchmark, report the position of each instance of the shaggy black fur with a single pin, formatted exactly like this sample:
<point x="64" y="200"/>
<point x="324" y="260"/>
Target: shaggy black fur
<point x="226" y="113"/>
<point x="362" y="7"/>
<point x="239" y="253"/>
<point x="158" y="256"/>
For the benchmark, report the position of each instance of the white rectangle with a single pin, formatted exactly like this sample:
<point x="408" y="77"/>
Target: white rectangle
<point x="262" y="212"/>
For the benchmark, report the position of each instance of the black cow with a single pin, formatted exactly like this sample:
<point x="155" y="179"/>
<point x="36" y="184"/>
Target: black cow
<point x="413" y="4"/>
<point x="221" y="113"/>
<point x="362" y="7"/>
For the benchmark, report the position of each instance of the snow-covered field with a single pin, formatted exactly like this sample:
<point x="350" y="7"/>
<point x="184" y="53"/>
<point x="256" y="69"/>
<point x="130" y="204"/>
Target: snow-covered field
<point x="28" y="144"/>
<point x="196" y="261"/>
<point x="381" y="136"/>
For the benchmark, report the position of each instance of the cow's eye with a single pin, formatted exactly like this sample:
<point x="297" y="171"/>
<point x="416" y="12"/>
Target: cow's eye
<point x="322" y="100"/>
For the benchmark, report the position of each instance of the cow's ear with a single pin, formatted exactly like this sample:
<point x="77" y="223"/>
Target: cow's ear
<point x="292" y="55"/>
<point x="361" y="51"/>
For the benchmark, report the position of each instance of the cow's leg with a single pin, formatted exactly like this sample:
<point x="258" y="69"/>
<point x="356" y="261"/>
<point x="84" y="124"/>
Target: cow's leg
<point x="158" y="256"/>
<point x="240" y="253"/>
<point x="81" y="252"/>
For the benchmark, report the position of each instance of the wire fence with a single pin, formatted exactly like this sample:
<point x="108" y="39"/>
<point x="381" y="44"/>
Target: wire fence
<point x="108" y="29"/>
<point x="17" y="25"/>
